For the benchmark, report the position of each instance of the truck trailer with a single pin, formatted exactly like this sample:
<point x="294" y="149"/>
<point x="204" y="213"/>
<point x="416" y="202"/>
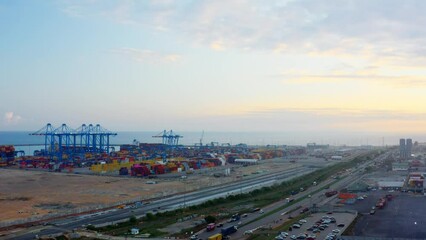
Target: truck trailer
<point x="229" y="230"/>
<point x="217" y="236"/>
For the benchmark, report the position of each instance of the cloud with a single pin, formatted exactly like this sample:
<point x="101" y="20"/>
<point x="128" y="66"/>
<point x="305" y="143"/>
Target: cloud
<point x="217" y="45"/>
<point x="385" y="28"/>
<point x="346" y="119"/>
<point x="396" y="77"/>
<point x="311" y="120"/>
<point x="147" y="56"/>
<point x="11" y="118"/>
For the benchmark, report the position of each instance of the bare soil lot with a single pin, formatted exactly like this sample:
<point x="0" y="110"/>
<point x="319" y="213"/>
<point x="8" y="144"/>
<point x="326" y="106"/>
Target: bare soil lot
<point x="26" y="194"/>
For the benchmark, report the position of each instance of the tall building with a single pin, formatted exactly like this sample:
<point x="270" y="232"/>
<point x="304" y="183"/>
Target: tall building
<point x="408" y="147"/>
<point x="405" y="148"/>
<point x="402" y="148"/>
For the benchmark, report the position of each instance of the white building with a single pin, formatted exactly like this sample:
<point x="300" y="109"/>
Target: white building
<point x="246" y="161"/>
<point x="400" y="166"/>
<point x="134" y="231"/>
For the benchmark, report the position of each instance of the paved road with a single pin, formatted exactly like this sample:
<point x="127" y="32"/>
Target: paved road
<point x="278" y="218"/>
<point x="169" y="203"/>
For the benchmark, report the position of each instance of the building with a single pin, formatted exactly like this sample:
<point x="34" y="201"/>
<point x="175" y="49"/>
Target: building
<point x="402" y="148"/>
<point x="134" y="231"/>
<point x="400" y="166"/>
<point x="405" y="148"/>
<point x="393" y="185"/>
<point x="246" y="161"/>
<point x="408" y="148"/>
<point x="358" y="187"/>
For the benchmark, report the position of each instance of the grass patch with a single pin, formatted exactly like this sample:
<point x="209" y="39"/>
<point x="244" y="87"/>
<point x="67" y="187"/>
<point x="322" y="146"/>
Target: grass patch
<point x="223" y="208"/>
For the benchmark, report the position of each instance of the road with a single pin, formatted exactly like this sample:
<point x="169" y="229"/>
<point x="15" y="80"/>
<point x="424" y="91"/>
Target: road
<point x="276" y="219"/>
<point x="169" y="203"/>
<point x="192" y="198"/>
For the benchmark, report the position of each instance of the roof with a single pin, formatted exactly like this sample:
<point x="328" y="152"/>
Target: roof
<point x="358" y="186"/>
<point x="390" y="184"/>
<point x="402" y="164"/>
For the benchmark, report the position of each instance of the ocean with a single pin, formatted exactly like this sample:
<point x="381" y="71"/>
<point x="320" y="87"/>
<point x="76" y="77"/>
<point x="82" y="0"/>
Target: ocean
<point x="250" y="138"/>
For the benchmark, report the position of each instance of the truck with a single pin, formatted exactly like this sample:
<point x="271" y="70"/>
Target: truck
<point x="381" y="203"/>
<point x="330" y="193"/>
<point x="229" y="230"/>
<point x="236" y="217"/>
<point x="210" y="227"/>
<point x="217" y="236"/>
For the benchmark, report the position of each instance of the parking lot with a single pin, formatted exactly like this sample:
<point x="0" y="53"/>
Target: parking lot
<point x="402" y="217"/>
<point x="342" y="220"/>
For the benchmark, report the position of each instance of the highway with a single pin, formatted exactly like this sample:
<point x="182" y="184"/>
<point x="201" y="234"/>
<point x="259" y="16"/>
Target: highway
<point x="279" y="217"/>
<point x="196" y="197"/>
<point x="168" y="203"/>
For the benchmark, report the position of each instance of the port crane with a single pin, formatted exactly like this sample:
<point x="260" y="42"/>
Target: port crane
<point x="65" y="140"/>
<point x="169" y="138"/>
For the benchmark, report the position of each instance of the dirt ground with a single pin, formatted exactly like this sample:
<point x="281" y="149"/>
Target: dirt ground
<point x="26" y="194"/>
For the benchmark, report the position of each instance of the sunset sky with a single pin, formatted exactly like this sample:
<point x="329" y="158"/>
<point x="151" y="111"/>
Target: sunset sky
<point x="231" y="65"/>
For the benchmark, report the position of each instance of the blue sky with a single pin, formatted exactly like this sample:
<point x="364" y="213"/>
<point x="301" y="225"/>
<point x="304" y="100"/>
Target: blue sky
<point x="281" y="65"/>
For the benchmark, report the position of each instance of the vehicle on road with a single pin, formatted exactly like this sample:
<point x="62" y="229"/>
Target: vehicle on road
<point x="229" y="230"/>
<point x="255" y="209"/>
<point x="341" y="225"/>
<point x="210" y="227"/>
<point x="330" y="193"/>
<point x="217" y="236"/>
<point x="304" y="210"/>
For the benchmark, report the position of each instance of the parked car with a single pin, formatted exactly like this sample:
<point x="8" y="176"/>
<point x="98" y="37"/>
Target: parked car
<point x="296" y="225"/>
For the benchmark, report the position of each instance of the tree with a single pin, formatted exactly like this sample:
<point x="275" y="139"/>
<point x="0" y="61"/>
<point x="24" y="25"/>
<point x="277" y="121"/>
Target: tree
<point x="210" y="219"/>
<point x="133" y="220"/>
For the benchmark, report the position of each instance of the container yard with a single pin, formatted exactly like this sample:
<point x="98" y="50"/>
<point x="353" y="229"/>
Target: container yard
<point x="88" y="147"/>
<point x="92" y="174"/>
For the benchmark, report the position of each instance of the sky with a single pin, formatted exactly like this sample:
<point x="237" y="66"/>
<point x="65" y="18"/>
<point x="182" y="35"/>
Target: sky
<point x="226" y="65"/>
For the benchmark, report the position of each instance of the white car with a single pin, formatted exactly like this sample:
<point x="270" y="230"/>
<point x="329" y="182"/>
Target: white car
<point x="284" y="234"/>
<point x="296" y="225"/>
<point x="336" y="231"/>
<point x="303" y="221"/>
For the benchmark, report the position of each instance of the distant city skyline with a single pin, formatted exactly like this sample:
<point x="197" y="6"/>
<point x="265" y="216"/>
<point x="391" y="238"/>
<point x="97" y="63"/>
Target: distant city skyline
<point x="285" y="65"/>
